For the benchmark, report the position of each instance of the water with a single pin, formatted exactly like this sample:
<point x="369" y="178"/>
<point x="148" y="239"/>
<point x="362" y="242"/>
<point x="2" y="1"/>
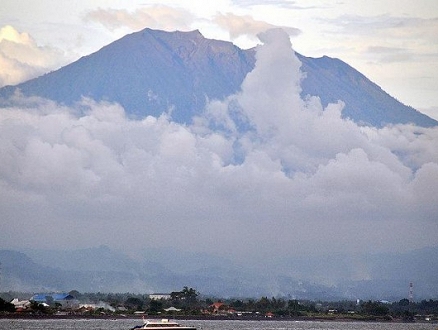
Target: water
<point x="126" y="324"/>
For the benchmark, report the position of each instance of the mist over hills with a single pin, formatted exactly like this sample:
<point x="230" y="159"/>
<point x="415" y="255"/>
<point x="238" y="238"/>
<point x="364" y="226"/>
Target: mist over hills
<point x="101" y="269"/>
<point x="151" y="72"/>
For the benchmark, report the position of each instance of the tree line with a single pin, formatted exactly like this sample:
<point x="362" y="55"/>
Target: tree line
<point x="190" y="302"/>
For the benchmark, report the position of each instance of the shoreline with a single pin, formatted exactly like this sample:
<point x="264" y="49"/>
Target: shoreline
<point x="211" y="318"/>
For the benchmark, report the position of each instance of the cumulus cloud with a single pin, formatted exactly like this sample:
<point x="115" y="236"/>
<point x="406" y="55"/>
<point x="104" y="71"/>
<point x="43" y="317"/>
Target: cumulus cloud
<point x="263" y="172"/>
<point x="238" y="25"/>
<point x="156" y="17"/>
<point x="22" y="59"/>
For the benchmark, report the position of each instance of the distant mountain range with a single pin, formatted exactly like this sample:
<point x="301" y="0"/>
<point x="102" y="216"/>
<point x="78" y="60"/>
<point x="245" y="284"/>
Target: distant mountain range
<point x="384" y="276"/>
<point x="152" y="71"/>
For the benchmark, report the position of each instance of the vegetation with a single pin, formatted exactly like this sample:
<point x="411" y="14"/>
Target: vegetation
<point x="6" y="306"/>
<point x="188" y="302"/>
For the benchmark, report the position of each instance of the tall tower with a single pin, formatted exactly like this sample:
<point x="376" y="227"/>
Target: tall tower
<point x="411" y="293"/>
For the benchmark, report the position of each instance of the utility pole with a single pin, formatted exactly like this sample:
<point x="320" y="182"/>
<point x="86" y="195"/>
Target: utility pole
<point x="411" y="293"/>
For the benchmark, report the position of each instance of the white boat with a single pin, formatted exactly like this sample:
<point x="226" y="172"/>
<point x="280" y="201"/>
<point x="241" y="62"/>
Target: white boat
<point x="163" y="324"/>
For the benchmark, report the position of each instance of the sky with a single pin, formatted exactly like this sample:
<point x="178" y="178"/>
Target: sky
<point x="307" y="181"/>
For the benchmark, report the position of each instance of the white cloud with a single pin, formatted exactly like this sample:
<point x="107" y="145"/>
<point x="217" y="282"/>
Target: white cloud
<point x="154" y="16"/>
<point x="245" y="25"/>
<point x="170" y="18"/>
<point x="22" y="59"/>
<point x="280" y="170"/>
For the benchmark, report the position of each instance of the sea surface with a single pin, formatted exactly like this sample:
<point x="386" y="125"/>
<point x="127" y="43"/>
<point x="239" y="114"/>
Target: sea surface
<point x="126" y="324"/>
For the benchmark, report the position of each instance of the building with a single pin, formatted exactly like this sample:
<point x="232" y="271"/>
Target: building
<point x="172" y="309"/>
<point x="20" y="305"/>
<point x="159" y="296"/>
<point x="65" y="300"/>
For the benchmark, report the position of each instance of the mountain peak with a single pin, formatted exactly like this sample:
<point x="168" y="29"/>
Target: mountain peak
<point x="151" y="71"/>
<point x="172" y="36"/>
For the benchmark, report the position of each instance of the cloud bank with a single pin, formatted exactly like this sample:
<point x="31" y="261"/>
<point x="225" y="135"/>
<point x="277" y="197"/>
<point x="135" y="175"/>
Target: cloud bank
<point x="262" y="173"/>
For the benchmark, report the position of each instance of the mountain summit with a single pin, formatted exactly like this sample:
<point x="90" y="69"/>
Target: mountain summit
<point x="150" y="72"/>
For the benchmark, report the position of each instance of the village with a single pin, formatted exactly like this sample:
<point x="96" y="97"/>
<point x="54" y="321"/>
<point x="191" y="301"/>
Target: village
<point x="188" y="303"/>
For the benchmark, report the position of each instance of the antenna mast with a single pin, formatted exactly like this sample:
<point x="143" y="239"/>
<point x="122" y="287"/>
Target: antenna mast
<point x="411" y="293"/>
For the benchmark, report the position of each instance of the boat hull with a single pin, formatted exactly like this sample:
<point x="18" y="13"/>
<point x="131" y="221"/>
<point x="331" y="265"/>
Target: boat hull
<point x="164" y="324"/>
<point x="168" y="328"/>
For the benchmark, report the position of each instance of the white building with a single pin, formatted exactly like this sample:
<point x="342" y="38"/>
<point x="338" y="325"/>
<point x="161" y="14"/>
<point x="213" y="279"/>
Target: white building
<point x="159" y="296"/>
<point x="20" y="304"/>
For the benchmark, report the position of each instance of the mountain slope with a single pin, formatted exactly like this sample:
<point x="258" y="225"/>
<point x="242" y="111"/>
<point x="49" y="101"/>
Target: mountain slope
<point x="150" y="72"/>
<point x="366" y="103"/>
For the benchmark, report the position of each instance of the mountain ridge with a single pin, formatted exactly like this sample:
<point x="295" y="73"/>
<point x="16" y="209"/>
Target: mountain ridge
<point x="151" y="71"/>
<point x="388" y="275"/>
